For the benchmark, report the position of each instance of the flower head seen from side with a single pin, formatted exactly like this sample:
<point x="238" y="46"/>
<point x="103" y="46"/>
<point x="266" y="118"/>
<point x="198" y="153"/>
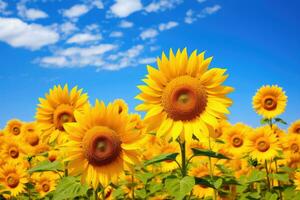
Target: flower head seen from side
<point x="13" y="179"/>
<point x="294" y="127"/>
<point x="183" y="95"/>
<point x="263" y="144"/>
<point x="269" y="101"/>
<point x="102" y="144"/>
<point x="57" y="108"/>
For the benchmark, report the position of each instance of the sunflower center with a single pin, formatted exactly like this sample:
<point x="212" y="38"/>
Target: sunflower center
<point x="46" y="187"/>
<point x="14" y="152"/>
<point x="33" y="139"/>
<point x="269" y="103"/>
<point x="52" y="158"/>
<point x="295" y="147"/>
<point x="12" y="181"/>
<point x="63" y="114"/>
<point x="216" y="134"/>
<point x="16" y="130"/>
<point x="237" y="141"/>
<point x="263" y="145"/>
<point x="184" y="98"/>
<point x="101" y="146"/>
<point x="297" y="130"/>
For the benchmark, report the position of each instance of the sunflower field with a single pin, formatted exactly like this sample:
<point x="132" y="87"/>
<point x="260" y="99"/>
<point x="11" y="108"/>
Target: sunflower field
<point x="183" y="147"/>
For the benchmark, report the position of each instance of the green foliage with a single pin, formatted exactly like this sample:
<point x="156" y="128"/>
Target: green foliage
<point x="178" y="188"/>
<point x="68" y="188"/>
<point x="256" y="176"/>
<point x="46" y="166"/>
<point x="279" y="120"/>
<point x="208" y="153"/>
<point x="161" y="158"/>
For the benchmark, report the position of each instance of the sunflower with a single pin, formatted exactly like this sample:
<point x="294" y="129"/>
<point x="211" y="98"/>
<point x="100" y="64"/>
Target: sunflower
<point x="123" y="107"/>
<point x="295" y="127"/>
<point x="293" y="161"/>
<point x="236" y="142"/>
<point x="31" y="135"/>
<point x="182" y="95"/>
<point x="269" y="101"/>
<point x="218" y="132"/>
<point x="13" y="150"/>
<point x="58" y="108"/>
<point x="45" y="182"/>
<point x="291" y="144"/>
<point x="13" y="128"/>
<point x="102" y="142"/>
<point x="13" y="179"/>
<point x="297" y="180"/>
<point x="171" y="147"/>
<point x="263" y="144"/>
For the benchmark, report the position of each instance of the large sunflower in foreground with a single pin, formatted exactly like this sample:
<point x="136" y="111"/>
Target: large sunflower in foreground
<point x="294" y="127"/>
<point x="263" y="144"/>
<point x="13" y="179"/>
<point x="183" y="96"/>
<point x="269" y="101"/>
<point x="102" y="143"/>
<point x="58" y="108"/>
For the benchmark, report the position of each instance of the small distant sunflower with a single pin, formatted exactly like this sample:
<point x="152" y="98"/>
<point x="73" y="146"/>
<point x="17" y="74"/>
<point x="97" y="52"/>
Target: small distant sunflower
<point x="31" y="135"/>
<point x="199" y="190"/>
<point x="183" y="96"/>
<point x="218" y="132"/>
<point x="297" y="180"/>
<point x="236" y="142"/>
<point x="45" y="182"/>
<point x="58" y="108"/>
<point x="269" y="101"/>
<point x="291" y="144"/>
<point x="263" y="144"/>
<point x="102" y="143"/>
<point x="171" y="147"/>
<point x="123" y="107"/>
<point x="294" y="127"/>
<point x="13" y="179"/>
<point x="293" y="161"/>
<point x="13" y="150"/>
<point x="13" y="127"/>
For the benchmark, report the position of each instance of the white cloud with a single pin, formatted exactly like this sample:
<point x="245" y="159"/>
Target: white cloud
<point x="98" y="4"/>
<point x="190" y="17"/>
<point x="162" y="5"/>
<point x="68" y="28"/>
<point x="148" y="33"/>
<point x="201" y="1"/>
<point x="78" y="57"/>
<point x="30" y="13"/>
<point x="20" y="34"/>
<point x="126" y="24"/>
<point x="209" y="11"/>
<point x="167" y="26"/>
<point x="147" y="60"/>
<point x="83" y="38"/>
<point x="3" y="8"/>
<point x="154" y="48"/>
<point x="116" y="34"/>
<point x="124" y="8"/>
<point x="76" y="11"/>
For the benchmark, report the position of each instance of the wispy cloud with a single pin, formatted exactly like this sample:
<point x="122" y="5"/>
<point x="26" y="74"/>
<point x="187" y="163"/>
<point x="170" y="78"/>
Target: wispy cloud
<point x="191" y="16"/>
<point x="30" y="13"/>
<point x="209" y="11"/>
<point x="116" y="34"/>
<point x="167" y="26"/>
<point x="81" y="38"/>
<point x="126" y="24"/>
<point x="3" y="8"/>
<point x="20" y="34"/>
<point x="76" y="11"/>
<point x="162" y="5"/>
<point x="148" y="33"/>
<point x="124" y="8"/>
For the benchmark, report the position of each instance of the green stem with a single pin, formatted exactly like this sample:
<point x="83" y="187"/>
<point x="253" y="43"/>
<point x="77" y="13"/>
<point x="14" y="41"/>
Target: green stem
<point x="211" y="173"/>
<point x="183" y="159"/>
<point x="268" y="179"/>
<point x="132" y="182"/>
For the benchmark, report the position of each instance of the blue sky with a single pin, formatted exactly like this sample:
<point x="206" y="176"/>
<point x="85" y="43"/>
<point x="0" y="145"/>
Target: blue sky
<point x="104" y="46"/>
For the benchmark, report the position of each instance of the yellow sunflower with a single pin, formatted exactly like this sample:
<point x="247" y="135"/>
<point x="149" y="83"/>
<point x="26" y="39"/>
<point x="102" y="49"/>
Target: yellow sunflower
<point x="183" y="96"/>
<point x="13" y="179"/>
<point x="291" y="144"/>
<point x="293" y="161"/>
<point x="13" y="128"/>
<point x="236" y="142"/>
<point x="13" y="150"/>
<point x="45" y="182"/>
<point x="102" y="142"/>
<point x="269" y="101"/>
<point x="58" y="108"/>
<point x="297" y="180"/>
<point x="218" y="132"/>
<point x="263" y="144"/>
<point x="171" y="147"/>
<point x="294" y="127"/>
<point x="31" y="136"/>
<point x="123" y="107"/>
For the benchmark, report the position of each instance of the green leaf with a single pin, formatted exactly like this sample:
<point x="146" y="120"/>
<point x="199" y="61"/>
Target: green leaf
<point x="178" y="188"/>
<point x="141" y="193"/>
<point x="161" y="158"/>
<point x="279" y="120"/>
<point x="254" y="195"/>
<point x="144" y="177"/>
<point x="47" y="166"/>
<point x="119" y="192"/>
<point x="204" y="181"/>
<point x="68" y="188"/>
<point x="208" y="153"/>
<point x="218" y="183"/>
<point x="280" y="177"/>
<point x="155" y="188"/>
<point x="256" y="176"/>
<point x="270" y="196"/>
<point x="264" y="121"/>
